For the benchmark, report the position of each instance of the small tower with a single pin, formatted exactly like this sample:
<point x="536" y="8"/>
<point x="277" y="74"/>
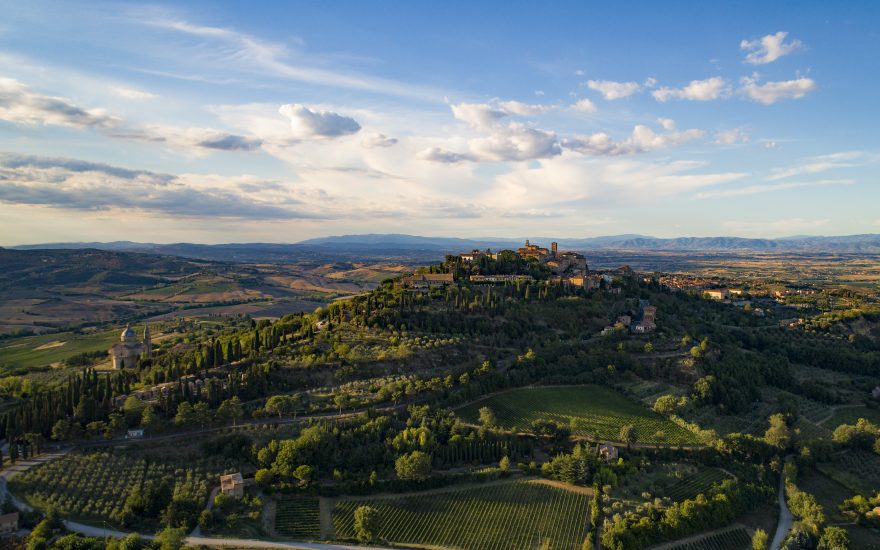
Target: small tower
<point x="148" y="343"/>
<point x="555" y="248"/>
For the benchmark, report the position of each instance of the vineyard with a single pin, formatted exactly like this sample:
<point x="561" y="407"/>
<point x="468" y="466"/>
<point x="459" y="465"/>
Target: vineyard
<point x="590" y="411"/>
<point x="857" y="470"/>
<point x="298" y="517"/>
<point x="691" y="486"/>
<point x="520" y="514"/>
<point x="94" y="485"/>
<point x="732" y="539"/>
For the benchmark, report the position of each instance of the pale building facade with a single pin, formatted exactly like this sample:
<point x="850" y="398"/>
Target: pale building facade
<point x="129" y="349"/>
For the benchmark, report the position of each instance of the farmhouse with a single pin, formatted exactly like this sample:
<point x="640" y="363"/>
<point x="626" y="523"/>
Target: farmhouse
<point x="128" y="350"/>
<point x="607" y="453"/>
<point x="232" y="484"/>
<point x="718" y="293"/>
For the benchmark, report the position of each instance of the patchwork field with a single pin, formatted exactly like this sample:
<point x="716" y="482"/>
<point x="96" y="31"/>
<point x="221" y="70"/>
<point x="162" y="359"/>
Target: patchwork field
<point x="514" y="515"/>
<point x="592" y="412"/>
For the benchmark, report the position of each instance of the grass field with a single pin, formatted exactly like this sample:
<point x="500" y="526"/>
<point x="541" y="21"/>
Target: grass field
<point x="734" y="539"/>
<point x="514" y="515"/>
<point x="598" y="413"/>
<point x="298" y="517"/>
<point x="46" y="349"/>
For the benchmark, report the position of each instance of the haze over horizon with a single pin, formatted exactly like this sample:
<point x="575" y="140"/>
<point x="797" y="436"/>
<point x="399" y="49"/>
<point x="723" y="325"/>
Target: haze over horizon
<point x="218" y="123"/>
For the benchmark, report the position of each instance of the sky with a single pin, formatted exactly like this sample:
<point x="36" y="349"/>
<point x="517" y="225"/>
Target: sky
<point x="280" y="121"/>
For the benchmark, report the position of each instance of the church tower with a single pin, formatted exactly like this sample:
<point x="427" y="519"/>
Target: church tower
<point x="148" y="343"/>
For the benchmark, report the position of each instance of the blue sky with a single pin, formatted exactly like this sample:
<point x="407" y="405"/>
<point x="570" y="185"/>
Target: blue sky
<point x="224" y="122"/>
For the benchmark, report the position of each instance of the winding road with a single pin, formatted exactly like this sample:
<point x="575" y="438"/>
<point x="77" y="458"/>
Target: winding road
<point x="786" y="520"/>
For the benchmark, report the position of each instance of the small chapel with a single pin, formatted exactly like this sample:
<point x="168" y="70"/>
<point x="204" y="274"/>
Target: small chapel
<point x="128" y="350"/>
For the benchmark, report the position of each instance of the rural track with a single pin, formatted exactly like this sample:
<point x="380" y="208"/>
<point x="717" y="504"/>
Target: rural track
<point x="786" y="519"/>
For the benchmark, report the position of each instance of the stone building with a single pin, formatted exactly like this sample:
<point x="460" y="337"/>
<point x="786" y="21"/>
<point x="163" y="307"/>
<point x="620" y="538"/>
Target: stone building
<point x="232" y="484"/>
<point x="129" y="349"/>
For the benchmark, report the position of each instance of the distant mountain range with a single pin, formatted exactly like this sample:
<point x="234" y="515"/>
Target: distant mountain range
<point x="396" y="246"/>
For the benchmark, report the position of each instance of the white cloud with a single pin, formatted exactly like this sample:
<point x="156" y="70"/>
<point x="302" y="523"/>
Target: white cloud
<point x="516" y="142"/>
<point x="78" y="185"/>
<point x="769" y="48"/>
<point x="227" y="49"/>
<point x="480" y="116"/>
<point x="194" y="140"/>
<point x="539" y="93"/>
<point x="131" y="93"/>
<point x="698" y="90"/>
<point x="436" y="154"/>
<point x="771" y="145"/>
<point x="378" y="140"/>
<point x="666" y="123"/>
<point x="730" y="137"/>
<point x="823" y="163"/>
<point x="524" y="109"/>
<point x="583" y="105"/>
<point x="504" y="141"/>
<point x="612" y="90"/>
<point x="650" y="82"/>
<point x="570" y="184"/>
<point x="771" y="92"/>
<point x="643" y="139"/>
<point x="21" y="105"/>
<point x="308" y="123"/>
<point x="767" y="188"/>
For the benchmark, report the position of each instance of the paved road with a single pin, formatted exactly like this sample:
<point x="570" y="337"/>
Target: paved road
<point x="786" y="520"/>
<point x="92" y="531"/>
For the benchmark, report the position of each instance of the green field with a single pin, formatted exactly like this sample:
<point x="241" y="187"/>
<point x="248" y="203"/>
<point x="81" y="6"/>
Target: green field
<point x="514" y="515"/>
<point x="598" y="413"/>
<point x="43" y="350"/>
<point x="298" y="517"/>
<point x="734" y="539"/>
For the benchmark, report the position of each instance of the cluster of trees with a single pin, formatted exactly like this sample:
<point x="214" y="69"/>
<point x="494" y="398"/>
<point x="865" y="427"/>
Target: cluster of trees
<point x="861" y="435"/>
<point x="406" y="447"/>
<point x="718" y="507"/>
